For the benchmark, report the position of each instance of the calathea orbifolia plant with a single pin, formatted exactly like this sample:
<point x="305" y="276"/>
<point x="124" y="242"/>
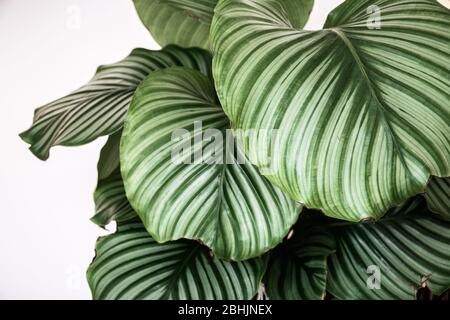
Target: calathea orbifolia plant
<point x="353" y="119"/>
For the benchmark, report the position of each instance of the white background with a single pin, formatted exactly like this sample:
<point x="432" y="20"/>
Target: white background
<point x="47" y="49"/>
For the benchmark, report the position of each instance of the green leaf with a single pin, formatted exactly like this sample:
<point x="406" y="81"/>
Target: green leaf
<point x="111" y="203"/>
<point x="298" y="268"/>
<point x="131" y="265"/>
<point x="187" y="22"/>
<point x="362" y="115"/>
<point x="99" y="107"/>
<point x="298" y="11"/>
<point x="218" y="198"/>
<point x="182" y="22"/>
<point x="409" y="246"/>
<point x="438" y="196"/>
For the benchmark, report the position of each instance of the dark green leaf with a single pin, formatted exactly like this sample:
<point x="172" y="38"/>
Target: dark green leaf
<point x="131" y="265"/>
<point x="111" y="202"/>
<point x="438" y="196"/>
<point x="362" y="114"/>
<point x="298" y="267"/>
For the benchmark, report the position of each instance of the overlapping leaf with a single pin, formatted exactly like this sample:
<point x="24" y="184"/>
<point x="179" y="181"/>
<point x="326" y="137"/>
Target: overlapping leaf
<point x="99" y="107"/>
<point x="219" y="198"/>
<point x="298" y="268"/>
<point x="110" y="200"/>
<point x="182" y="22"/>
<point x="388" y="259"/>
<point x="392" y="258"/>
<point x="438" y="196"/>
<point x="187" y="22"/>
<point x="131" y="265"/>
<point x="362" y="114"/>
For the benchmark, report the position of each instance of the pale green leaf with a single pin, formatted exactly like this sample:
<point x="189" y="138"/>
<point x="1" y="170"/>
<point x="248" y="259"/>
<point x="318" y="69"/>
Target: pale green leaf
<point x="362" y="114"/>
<point x="218" y="198"/>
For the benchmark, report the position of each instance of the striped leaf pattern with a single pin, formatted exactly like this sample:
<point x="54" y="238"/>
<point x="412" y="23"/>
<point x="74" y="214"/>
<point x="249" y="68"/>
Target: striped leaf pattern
<point x="111" y="203"/>
<point x="99" y="107"/>
<point x="131" y="265"/>
<point x="217" y="198"/>
<point x="182" y="22"/>
<point x="298" y="268"/>
<point x="298" y="11"/>
<point x="409" y="246"/>
<point x="362" y="114"/>
<point x="438" y="196"/>
<point x="187" y="22"/>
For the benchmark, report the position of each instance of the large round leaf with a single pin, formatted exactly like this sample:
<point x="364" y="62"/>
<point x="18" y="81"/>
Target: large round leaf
<point x="187" y="22"/>
<point x="110" y="200"/>
<point x="438" y="196"/>
<point x="218" y="198"/>
<point x="131" y="265"/>
<point x="298" y="268"/>
<point x="99" y="107"/>
<point x="362" y="114"/>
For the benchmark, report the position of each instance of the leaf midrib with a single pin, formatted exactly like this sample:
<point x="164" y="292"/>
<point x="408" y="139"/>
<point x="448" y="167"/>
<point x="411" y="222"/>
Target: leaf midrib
<point x="176" y="276"/>
<point x="380" y="110"/>
<point x="219" y="201"/>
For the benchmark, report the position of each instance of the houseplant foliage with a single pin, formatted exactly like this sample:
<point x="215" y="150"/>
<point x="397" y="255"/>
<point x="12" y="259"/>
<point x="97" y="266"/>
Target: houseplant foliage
<point x="187" y="23"/>
<point x="216" y="201"/>
<point x="111" y="203"/>
<point x="437" y="196"/>
<point x="361" y="152"/>
<point x="408" y="241"/>
<point x="334" y="255"/>
<point x="131" y="265"/>
<point x="99" y="107"/>
<point x="363" y="115"/>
